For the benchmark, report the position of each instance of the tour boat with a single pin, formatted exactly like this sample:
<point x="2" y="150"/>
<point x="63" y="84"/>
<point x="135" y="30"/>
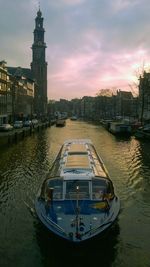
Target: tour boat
<point x="77" y="200"/>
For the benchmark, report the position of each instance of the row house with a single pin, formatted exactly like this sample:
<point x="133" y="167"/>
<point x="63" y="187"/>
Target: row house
<point x="16" y="93"/>
<point x="58" y="107"/>
<point x="105" y="107"/>
<point x="122" y="104"/>
<point x="87" y="106"/>
<point x="22" y="93"/>
<point x="144" y="98"/>
<point x="126" y="105"/>
<point x="76" y="107"/>
<point x="110" y="106"/>
<point x="3" y="92"/>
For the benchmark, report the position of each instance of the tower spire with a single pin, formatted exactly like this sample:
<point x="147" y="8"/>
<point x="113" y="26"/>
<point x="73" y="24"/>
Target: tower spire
<point x="39" y="65"/>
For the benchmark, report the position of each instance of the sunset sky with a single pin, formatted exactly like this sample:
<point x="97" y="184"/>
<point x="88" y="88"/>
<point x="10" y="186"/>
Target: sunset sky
<point x="91" y="44"/>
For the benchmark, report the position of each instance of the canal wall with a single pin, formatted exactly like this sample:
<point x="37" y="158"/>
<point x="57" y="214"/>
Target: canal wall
<point x="14" y="136"/>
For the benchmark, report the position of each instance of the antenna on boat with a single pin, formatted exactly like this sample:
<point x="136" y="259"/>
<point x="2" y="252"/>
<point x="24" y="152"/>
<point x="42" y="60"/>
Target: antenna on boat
<point x="77" y="214"/>
<point x="77" y="207"/>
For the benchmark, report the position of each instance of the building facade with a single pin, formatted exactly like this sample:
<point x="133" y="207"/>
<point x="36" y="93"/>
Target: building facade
<point x="3" y="92"/>
<point x="144" y="98"/>
<point x="39" y="67"/>
<point x="124" y="100"/>
<point x="20" y="94"/>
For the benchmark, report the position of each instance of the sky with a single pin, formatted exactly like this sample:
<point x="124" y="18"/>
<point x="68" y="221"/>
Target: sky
<point x="91" y="44"/>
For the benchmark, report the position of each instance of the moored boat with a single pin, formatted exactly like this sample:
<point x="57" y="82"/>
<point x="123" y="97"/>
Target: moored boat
<point x="73" y="118"/>
<point x="77" y="200"/>
<point x="120" y="128"/>
<point x="143" y="132"/>
<point x="60" y="123"/>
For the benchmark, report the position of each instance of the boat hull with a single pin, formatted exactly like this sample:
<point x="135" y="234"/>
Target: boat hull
<point x="60" y="123"/>
<point x="120" y="129"/>
<point x="60" y="218"/>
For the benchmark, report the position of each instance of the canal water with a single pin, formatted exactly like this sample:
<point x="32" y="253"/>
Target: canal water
<point x="24" y="242"/>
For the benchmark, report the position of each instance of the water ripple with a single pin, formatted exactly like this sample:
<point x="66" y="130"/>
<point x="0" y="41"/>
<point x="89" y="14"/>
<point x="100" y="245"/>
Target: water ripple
<point x="23" y="168"/>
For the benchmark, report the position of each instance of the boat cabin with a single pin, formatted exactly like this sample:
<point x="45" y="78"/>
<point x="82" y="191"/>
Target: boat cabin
<point x="63" y="189"/>
<point x="78" y="172"/>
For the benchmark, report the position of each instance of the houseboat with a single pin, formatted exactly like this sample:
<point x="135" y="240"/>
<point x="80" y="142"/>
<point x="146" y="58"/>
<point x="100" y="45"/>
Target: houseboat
<point x="60" y="123"/>
<point x="120" y="128"/>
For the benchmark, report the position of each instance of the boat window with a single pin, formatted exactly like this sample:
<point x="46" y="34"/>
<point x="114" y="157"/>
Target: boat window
<point x="102" y="188"/>
<point x="99" y="188"/>
<point x="77" y="189"/>
<point x="57" y="185"/>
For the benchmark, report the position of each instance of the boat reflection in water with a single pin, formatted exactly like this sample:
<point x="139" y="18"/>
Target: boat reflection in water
<point x="77" y="200"/>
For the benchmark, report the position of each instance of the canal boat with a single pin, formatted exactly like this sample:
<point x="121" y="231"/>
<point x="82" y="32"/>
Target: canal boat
<point x="74" y="118"/>
<point x="143" y="132"/>
<point x="120" y="128"/>
<point x="77" y="200"/>
<point x="60" y="123"/>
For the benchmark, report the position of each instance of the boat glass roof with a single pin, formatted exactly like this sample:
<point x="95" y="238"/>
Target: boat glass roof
<point x="77" y="161"/>
<point x="78" y="148"/>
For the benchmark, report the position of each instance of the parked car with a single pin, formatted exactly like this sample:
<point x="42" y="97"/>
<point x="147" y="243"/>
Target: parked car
<point x="6" y="127"/>
<point x="27" y="123"/>
<point x="34" y="122"/>
<point x="18" y="124"/>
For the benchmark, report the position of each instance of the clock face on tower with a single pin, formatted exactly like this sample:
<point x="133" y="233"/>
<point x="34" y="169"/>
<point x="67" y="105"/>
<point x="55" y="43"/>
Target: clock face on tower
<point x="39" y="42"/>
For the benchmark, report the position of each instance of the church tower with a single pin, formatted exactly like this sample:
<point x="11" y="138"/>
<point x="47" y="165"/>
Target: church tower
<point x="39" y="67"/>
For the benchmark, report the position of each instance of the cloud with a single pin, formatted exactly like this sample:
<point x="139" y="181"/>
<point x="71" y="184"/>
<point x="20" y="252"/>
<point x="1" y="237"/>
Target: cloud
<point x="60" y="3"/>
<point x="91" y="44"/>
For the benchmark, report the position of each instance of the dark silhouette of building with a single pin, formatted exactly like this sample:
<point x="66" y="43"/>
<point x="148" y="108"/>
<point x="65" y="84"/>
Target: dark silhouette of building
<point x="39" y="67"/>
<point x="20" y="94"/>
<point x="144" y="97"/>
<point x="3" y="92"/>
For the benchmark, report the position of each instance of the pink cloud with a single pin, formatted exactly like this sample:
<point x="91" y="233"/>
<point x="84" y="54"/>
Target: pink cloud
<point x="84" y="73"/>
